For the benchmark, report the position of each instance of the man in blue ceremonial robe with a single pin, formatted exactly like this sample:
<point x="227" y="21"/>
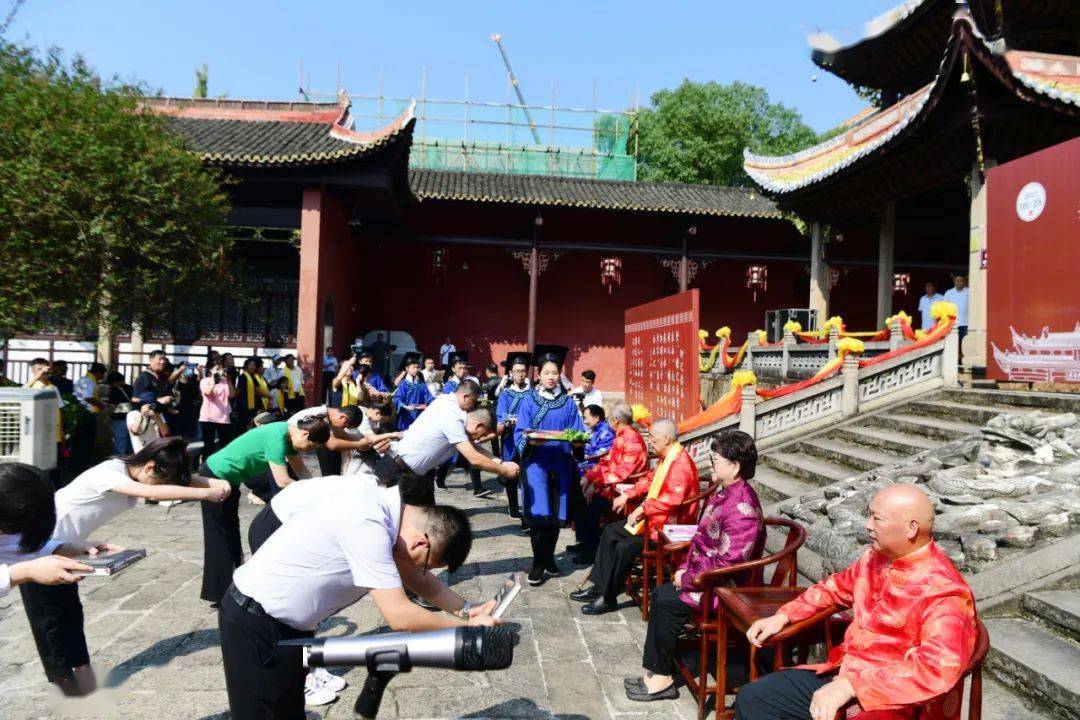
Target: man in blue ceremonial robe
<point x="603" y="437"/>
<point x="412" y="394"/>
<point x="514" y="388"/>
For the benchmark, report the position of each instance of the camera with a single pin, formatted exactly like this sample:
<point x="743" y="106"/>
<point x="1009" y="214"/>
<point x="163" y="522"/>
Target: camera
<point x="358" y="349"/>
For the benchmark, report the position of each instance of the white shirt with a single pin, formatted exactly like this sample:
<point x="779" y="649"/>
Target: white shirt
<point x="87" y="503"/>
<point x="925" y="303"/>
<point x="271" y="374"/>
<point x="431" y="439"/>
<point x="149" y="431"/>
<point x="297" y="377"/>
<point x="593" y="397"/>
<point x="326" y="558"/>
<point x="960" y="299"/>
<point x="10" y="554"/>
<point x="302" y="494"/>
<point x="307" y="412"/>
<point x="444" y="352"/>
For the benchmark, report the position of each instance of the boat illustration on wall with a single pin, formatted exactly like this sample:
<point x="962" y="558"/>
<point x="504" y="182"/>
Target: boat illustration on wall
<point x="1047" y="357"/>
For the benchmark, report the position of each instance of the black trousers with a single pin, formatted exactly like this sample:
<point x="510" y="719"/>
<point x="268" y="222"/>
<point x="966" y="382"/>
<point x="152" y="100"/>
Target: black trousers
<point x="329" y="461"/>
<point x="783" y="695"/>
<point x="215" y="436"/>
<point x="83" y="439"/>
<point x="667" y="616"/>
<point x="587" y="523"/>
<point x="262" y="527"/>
<point x="415" y="489"/>
<point x="544" y="539"/>
<point x="263" y="680"/>
<point x="56" y="622"/>
<point x="461" y="462"/>
<point x="222" y="552"/>
<point x="615" y="557"/>
<point x="294" y="405"/>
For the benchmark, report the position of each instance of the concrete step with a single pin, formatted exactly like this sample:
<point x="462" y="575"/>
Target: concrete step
<point x="961" y="411"/>
<point x="1027" y="656"/>
<point x="888" y="440"/>
<point x="773" y="486"/>
<point x="935" y="428"/>
<point x="1059" y="609"/>
<point x="845" y="453"/>
<point x="1063" y="402"/>
<point x="813" y="470"/>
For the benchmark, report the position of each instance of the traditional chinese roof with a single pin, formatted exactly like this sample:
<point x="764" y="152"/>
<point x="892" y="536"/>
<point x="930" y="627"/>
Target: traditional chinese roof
<point x="244" y="133"/>
<point x="583" y="193"/>
<point x="900" y="50"/>
<point x="974" y="73"/>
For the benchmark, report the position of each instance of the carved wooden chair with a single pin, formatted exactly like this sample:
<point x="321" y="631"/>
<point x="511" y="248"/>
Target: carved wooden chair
<point x="708" y="630"/>
<point x="650" y="572"/>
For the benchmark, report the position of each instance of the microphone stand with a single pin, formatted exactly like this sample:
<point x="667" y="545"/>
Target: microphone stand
<point x="382" y="666"/>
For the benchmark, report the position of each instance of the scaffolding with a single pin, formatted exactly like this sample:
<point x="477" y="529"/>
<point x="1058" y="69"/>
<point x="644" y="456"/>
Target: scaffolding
<point x="475" y="136"/>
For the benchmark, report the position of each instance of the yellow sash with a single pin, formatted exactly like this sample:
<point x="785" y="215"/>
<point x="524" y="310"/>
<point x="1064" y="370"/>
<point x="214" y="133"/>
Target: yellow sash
<point x="256" y="402"/>
<point x="657" y="483"/>
<point x="291" y="391"/>
<point x="349" y="392"/>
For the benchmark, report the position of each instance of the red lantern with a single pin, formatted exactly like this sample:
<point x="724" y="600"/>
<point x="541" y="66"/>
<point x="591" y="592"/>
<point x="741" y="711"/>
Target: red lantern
<point x="757" y="279"/>
<point x="610" y="273"/>
<point x="900" y="283"/>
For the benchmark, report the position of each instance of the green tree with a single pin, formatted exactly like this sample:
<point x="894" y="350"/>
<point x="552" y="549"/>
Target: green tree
<point x="202" y="83"/>
<point x="696" y="133"/>
<point x="105" y="217"/>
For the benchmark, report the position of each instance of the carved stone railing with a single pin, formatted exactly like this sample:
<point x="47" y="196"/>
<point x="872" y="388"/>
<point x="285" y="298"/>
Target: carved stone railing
<point x="852" y="390"/>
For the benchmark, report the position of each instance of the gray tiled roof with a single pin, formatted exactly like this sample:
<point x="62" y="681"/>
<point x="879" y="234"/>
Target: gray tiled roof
<point x="602" y="194"/>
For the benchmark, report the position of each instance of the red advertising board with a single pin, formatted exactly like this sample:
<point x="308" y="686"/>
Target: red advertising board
<point x="662" y="356"/>
<point x="1033" y="253"/>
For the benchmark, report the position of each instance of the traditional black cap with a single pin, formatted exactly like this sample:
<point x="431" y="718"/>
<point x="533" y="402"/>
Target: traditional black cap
<point x="544" y="353"/>
<point x="412" y="357"/>
<point x="459" y="356"/>
<point x="517" y="356"/>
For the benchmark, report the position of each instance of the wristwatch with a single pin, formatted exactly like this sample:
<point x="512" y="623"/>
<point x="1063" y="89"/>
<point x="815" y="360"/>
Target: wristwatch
<point x="463" y="613"/>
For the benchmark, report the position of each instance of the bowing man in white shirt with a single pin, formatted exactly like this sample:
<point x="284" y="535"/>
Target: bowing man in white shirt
<point x="327" y="557"/>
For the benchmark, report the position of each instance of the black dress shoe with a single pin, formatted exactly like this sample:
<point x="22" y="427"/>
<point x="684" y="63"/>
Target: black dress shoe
<point x="537" y="576"/>
<point x="573" y="548"/>
<point x="552" y="569"/>
<point x="599" y="606"/>
<point x="584" y="560"/>
<point x="643" y="695"/>
<point x="633" y="683"/>
<point x="585" y="595"/>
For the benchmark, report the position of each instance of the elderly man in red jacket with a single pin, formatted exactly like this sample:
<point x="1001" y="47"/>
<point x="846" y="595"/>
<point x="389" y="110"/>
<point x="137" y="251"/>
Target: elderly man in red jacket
<point x="912" y="632"/>
<point x="664" y="490"/>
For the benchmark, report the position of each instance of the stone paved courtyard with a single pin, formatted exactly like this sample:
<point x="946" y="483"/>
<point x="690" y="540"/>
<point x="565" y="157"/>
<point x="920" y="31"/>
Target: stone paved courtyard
<point x="155" y="644"/>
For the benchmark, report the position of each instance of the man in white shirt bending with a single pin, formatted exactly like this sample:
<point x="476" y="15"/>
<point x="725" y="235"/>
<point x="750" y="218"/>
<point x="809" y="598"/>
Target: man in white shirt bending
<point x="323" y="560"/>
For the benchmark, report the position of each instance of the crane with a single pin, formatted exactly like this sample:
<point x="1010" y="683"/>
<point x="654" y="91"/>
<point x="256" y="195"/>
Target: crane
<point x="497" y="38"/>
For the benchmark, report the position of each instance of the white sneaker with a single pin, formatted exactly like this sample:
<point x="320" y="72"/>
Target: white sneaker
<point x="169" y="503"/>
<point x="315" y="693"/>
<point x="328" y="679"/>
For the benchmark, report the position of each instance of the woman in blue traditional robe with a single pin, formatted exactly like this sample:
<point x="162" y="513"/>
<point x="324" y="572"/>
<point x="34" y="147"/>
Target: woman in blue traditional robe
<point x="513" y="390"/>
<point x="412" y="394"/>
<point x="550" y="471"/>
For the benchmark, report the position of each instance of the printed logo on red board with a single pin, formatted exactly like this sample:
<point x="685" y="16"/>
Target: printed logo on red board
<point x="1031" y="202"/>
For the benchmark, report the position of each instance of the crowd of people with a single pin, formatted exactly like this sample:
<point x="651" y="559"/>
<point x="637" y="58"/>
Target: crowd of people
<point x="368" y="523"/>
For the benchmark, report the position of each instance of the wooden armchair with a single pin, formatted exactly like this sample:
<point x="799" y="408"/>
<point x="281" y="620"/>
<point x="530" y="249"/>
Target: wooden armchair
<point x="640" y="581"/>
<point x="710" y="625"/>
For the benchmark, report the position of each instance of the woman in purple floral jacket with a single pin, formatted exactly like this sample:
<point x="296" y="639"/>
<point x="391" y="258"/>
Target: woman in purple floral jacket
<point x="731" y="531"/>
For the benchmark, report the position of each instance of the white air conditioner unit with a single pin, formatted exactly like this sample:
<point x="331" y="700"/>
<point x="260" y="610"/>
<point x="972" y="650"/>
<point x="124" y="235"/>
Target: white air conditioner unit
<point x="28" y="426"/>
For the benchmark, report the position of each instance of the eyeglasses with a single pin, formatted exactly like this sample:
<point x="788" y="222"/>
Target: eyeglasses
<point x="427" y="557"/>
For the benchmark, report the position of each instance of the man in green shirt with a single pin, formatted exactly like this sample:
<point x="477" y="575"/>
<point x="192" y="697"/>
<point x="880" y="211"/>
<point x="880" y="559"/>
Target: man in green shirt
<point x="274" y="447"/>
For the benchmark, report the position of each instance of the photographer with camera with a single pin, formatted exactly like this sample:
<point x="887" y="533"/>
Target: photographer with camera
<point x="217" y="394"/>
<point x="152" y="386"/>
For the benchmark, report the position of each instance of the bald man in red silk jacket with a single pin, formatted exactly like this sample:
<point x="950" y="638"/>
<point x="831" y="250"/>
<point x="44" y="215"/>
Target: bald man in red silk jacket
<point x="911" y="636"/>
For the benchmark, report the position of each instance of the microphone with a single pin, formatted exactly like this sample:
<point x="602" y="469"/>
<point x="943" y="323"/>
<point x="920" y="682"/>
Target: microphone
<point x="460" y="648"/>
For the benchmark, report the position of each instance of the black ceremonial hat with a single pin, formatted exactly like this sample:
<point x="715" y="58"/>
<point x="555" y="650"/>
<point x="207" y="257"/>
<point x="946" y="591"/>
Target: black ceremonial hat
<point x="412" y="357"/>
<point x="517" y="356"/>
<point x="550" y="352"/>
<point x="458" y="356"/>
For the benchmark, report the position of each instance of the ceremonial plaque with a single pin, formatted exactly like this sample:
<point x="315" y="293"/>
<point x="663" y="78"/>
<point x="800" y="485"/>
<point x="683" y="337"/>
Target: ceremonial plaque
<point x="662" y="356"/>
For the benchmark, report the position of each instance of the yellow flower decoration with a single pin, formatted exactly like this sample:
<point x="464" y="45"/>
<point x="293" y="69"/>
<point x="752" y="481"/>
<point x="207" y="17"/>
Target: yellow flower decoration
<point x="835" y="321"/>
<point x="942" y="311"/>
<point x="898" y="317"/>
<point x="702" y="334"/>
<point x="640" y="412"/>
<point x="724" y="332"/>
<point x="743" y="377"/>
<point x="762" y="336"/>
<point x="920" y="334"/>
<point x="848" y="345"/>
<point x="792" y="326"/>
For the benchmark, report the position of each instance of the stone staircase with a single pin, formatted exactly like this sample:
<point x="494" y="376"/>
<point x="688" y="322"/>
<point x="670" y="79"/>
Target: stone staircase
<point x="1036" y="653"/>
<point x="886" y="436"/>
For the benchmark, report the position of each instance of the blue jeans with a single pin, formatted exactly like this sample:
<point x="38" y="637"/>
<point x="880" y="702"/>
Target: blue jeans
<point x="121" y="441"/>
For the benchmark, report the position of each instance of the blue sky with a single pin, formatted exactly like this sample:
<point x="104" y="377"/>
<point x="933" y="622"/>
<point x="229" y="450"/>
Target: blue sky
<point x="254" y="49"/>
